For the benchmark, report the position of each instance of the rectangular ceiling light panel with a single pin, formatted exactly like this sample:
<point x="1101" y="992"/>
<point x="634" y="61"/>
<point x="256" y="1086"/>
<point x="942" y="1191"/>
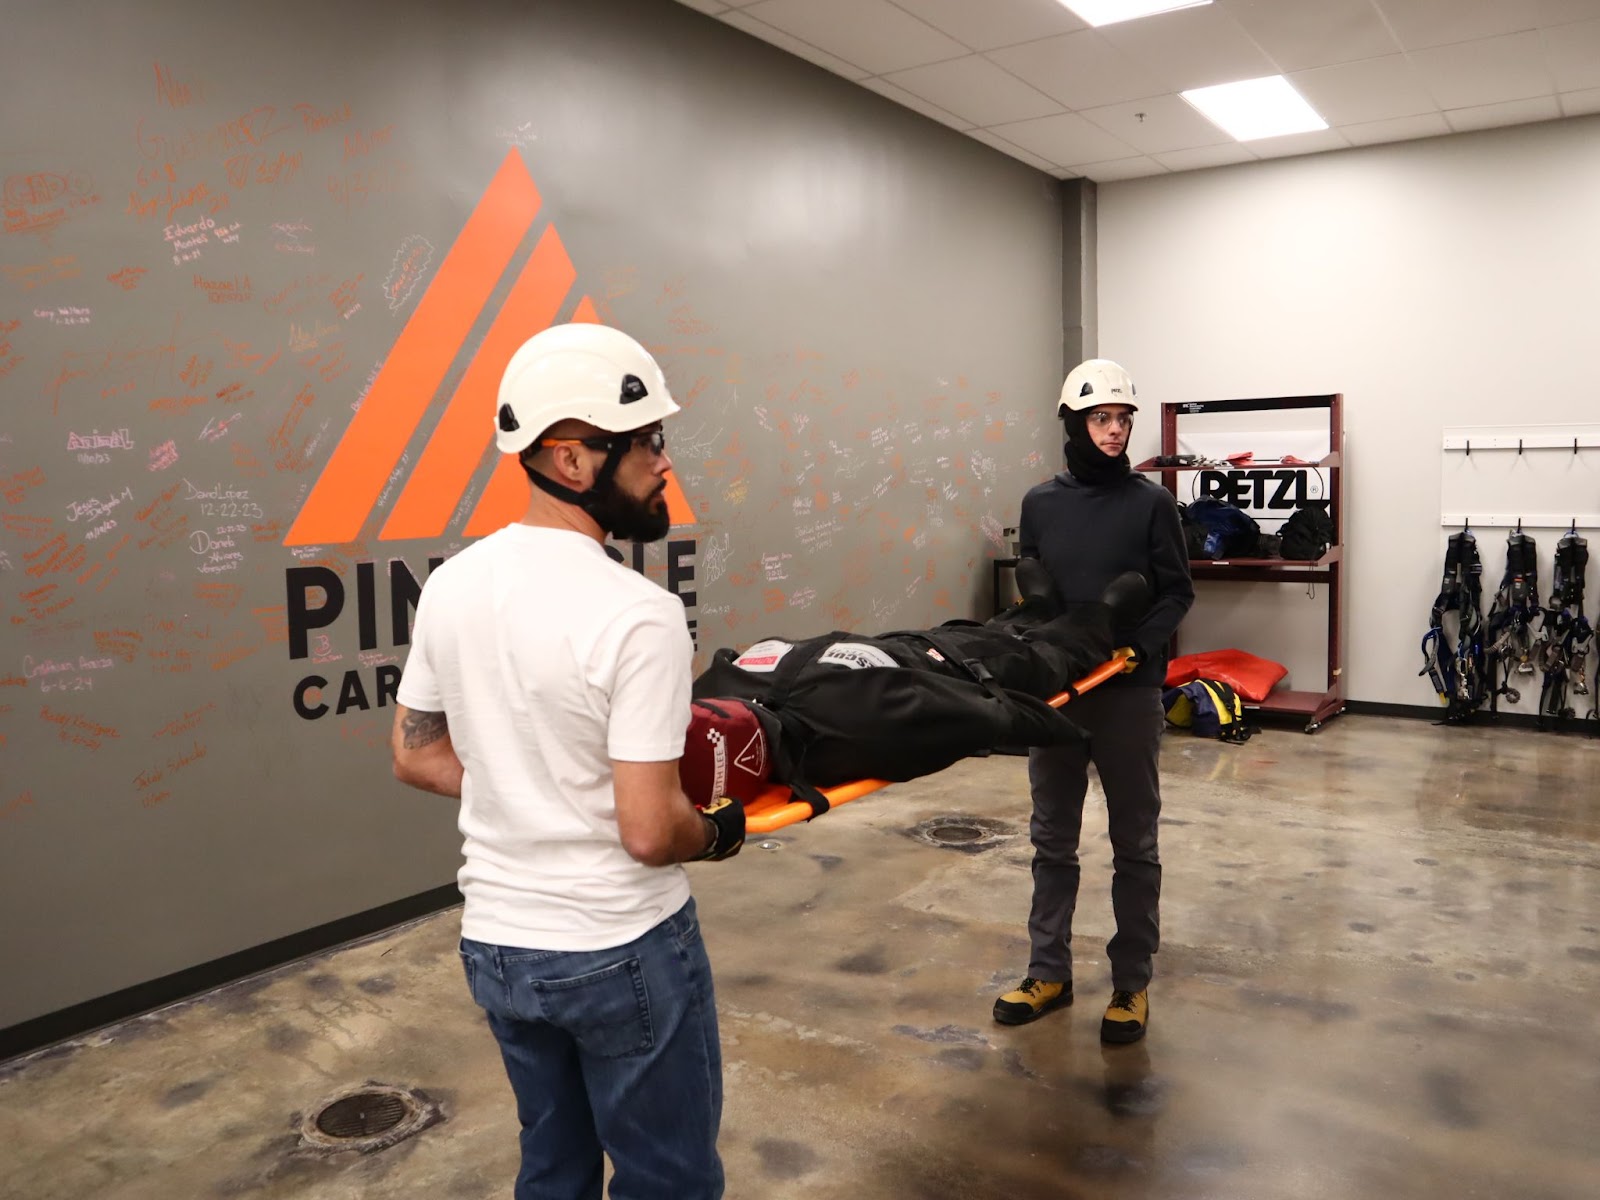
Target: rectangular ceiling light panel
<point x="1109" y="12"/>
<point x="1255" y="108"/>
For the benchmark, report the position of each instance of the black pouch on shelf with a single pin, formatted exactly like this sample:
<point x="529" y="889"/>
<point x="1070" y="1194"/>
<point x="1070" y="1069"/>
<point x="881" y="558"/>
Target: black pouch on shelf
<point x="1307" y="533"/>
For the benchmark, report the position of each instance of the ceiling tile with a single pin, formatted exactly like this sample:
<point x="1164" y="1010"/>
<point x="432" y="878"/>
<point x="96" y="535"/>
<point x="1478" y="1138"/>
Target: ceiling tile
<point x="974" y="88"/>
<point x="1374" y="90"/>
<point x="710" y="7"/>
<point x="1557" y="12"/>
<point x="1422" y="23"/>
<point x="873" y="34"/>
<point x="1081" y="70"/>
<point x="916" y="103"/>
<point x="1397" y="129"/>
<point x="1580" y="104"/>
<point x="1205" y="156"/>
<point x="1299" y="34"/>
<point x="1015" y="151"/>
<point x="1190" y="48"/>
<point x="793" y="45"/>
<point x="1065" y="139"/>
<point x="1573" y="52"/>
<point x="1121" y="168"/>
<point x="1510" y="112"/>
<point x="1299" y="143"/>
<point x="1156" y="124"/>
<point x="995" y="22"/>
<point x="1467" y="74"/>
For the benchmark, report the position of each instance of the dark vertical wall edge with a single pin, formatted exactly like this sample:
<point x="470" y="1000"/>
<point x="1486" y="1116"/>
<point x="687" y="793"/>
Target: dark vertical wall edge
<point x="1080" y="321"/>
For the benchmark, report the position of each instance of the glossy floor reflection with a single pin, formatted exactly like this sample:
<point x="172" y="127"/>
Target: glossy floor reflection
<point x="1380" y="965"/>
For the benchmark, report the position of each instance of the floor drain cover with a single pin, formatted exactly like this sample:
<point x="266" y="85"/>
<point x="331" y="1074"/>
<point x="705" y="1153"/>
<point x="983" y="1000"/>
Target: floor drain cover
<point x="961" y="833"/>
<point x="363" y="1115"/>
<point x="373" y="1117"/>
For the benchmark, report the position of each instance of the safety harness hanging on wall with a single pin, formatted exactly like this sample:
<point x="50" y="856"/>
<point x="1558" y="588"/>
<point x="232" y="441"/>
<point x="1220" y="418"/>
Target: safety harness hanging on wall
<point x="1458" y="671"/>
<point x="1511" y="616"/>
<point x="1565" y="634"/>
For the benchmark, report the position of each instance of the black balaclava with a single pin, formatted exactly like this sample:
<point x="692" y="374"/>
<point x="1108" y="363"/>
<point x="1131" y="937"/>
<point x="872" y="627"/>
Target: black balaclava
<point x="1089" y="464"/>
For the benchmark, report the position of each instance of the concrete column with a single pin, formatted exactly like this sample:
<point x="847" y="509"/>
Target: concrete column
<point x="1080" y="306"/>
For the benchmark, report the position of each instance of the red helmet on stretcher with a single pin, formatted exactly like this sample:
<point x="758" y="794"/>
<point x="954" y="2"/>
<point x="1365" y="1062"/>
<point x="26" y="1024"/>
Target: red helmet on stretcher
<point x="725" y="753"/>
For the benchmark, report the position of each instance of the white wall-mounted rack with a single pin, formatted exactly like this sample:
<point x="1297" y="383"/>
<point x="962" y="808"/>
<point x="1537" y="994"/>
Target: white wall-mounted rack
<point x="1572" y="438"/>
<point x="1545" y="476"/>
<point x="1586" y="522"/>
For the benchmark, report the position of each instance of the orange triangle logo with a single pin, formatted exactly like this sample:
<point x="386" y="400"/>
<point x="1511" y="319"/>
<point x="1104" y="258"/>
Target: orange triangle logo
<point x="347" y="491"/>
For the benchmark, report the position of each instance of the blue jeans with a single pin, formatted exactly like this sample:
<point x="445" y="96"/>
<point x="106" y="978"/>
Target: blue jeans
<point x="610" y="1050"/>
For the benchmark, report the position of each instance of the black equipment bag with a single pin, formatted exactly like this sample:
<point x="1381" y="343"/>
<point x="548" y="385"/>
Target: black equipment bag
<point x="1194" y="533"/>
<point x="1307" y="533"/>
<point x="1227" y="529"/>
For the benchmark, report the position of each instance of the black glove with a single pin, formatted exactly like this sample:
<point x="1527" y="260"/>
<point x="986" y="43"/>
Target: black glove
<point x="1129" y="599"/>
<point x="726" y="820"/>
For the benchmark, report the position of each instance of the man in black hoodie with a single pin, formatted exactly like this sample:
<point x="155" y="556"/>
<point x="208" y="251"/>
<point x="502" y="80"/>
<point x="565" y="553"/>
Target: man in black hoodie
<point x="1089" y="524"/>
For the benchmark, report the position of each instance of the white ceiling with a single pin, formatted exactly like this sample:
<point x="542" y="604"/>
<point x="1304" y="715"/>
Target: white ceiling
<point x="1032" y="80"/>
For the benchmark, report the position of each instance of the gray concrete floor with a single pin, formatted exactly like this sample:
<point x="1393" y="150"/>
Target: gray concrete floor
<point x="1381" y="962"/>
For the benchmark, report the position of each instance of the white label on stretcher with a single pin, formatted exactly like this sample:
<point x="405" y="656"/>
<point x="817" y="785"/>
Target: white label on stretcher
<point x="763" y="656"/>
<point x="856" y="654"/>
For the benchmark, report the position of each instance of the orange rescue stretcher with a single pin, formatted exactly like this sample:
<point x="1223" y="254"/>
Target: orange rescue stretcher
<point x="777" y="807"/>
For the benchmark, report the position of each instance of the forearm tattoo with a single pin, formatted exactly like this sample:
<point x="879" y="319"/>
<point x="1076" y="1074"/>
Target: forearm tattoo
<point x="420" y="729"/>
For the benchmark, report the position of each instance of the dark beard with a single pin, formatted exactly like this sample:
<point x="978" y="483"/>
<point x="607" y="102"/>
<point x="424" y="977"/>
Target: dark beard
<point x="629" y="519"/>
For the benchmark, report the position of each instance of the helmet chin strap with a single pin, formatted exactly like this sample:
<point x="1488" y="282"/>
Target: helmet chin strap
<point x="604" y="480"/>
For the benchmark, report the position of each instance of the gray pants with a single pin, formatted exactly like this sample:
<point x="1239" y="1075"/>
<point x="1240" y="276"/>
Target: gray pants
<point x="1125" y="726"/>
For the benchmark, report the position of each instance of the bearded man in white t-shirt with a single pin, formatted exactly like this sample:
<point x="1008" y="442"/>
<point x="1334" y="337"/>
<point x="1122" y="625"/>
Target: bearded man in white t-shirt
<point x="548" y="688"/>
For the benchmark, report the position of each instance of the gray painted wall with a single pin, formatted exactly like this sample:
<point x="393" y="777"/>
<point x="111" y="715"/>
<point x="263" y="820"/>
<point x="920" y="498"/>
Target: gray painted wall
<point x="861" y="310"/>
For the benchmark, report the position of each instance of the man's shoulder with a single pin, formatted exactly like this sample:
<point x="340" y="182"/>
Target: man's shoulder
<point x="458" y="568"/>
<point x="625" y="594"/>
<point x="1054" y="486"/>
<point x="1151" y="492"/>
<point x="631" y="588"/>
<point x="1140" y="489"/>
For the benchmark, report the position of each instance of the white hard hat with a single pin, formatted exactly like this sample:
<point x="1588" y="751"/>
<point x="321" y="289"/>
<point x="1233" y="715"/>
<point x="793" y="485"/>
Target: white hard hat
<point x="1096" y="381"/>
<point x="579" y="371"/>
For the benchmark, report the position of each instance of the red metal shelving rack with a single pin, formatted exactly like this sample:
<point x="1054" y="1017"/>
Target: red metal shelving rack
<point x="1331" y="569"/>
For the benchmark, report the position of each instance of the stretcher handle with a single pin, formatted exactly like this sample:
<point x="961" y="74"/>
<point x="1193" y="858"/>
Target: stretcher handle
<point x="764" y="816"/>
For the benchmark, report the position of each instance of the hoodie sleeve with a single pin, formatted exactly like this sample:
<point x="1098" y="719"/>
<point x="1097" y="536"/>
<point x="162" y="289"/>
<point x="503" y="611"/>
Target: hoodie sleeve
<point x="1028" y="529"/>
<point x="1171" y="583"/>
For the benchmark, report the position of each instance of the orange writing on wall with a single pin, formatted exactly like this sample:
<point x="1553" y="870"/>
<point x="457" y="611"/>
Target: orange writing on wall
<point x="349" y="487"/>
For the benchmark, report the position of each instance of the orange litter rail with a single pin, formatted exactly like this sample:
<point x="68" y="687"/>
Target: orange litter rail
<point x="776" y="807"/>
